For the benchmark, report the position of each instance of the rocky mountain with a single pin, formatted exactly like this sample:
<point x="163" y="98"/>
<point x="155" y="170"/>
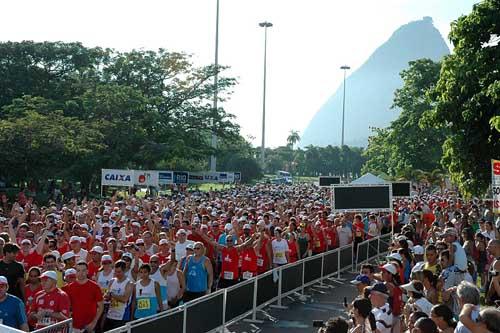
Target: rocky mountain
<point x="370" y="89"/>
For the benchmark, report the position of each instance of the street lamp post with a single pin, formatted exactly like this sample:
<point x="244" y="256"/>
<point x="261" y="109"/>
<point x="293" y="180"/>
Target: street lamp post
<point x="213" y="159"/>
<point x="344" y="68"/>
<point x="264" y="25"/>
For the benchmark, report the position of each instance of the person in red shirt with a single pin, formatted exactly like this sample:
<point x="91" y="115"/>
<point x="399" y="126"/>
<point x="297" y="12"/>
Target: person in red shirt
<point x="86" y="300"/>
<point x="318" y="239"/>
<point x="230" y="253"/>
<point x="28" y="256"/>
<point x="62" y="245"/>
<point x="264" y="261"/>
<point x="51" y="304"/>
<point x="142" y="250"/>
<point x="164" y="251"/>
<point x="293" y="247"/>
<point x="331" y="235"/>
<point x="95" y="261"/>
<point x="32" y="287"/>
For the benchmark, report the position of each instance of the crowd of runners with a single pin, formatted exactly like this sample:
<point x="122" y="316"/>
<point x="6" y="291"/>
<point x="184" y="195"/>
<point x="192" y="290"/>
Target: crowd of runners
<point x="106" y="262"/>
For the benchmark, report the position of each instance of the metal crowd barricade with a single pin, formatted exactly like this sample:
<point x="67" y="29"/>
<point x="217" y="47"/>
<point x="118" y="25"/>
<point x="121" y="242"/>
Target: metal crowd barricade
<point x="229" y="305"/>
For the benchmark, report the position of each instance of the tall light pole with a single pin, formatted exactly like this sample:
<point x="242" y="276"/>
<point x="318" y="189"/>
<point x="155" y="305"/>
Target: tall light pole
<point x="345" y="68"/>
<point x="264" y="25"/>
<point x="213" y="159"/>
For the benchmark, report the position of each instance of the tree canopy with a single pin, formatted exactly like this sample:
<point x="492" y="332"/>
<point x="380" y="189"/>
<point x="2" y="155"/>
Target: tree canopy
<point x="68" y="110"/>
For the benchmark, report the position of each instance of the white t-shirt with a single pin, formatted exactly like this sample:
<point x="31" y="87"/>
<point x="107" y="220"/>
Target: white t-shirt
<point x="81" y="255"/>
<point x="280" y="248"/>
<point x="460" y="259"/>
<point x="345" y="234"/>
<point x="424" y="305"/>
<point x="461" y="328"/>
<point x="180" y="249"/>
<point x="384" y="318"/>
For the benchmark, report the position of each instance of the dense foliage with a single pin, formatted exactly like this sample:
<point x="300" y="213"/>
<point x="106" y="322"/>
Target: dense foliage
<point x="67" y="111"/>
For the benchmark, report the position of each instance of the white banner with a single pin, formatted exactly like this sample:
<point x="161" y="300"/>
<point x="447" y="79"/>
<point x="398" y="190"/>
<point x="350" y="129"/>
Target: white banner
<point x="211" y="177"/>
<point x="226" y="177"/>
<point x="495" y="185"/>
<point x="146" y="178"/>
<point x="115" y="177"/>
<point x="165" y="177"/>
<point x="196" y="178"/>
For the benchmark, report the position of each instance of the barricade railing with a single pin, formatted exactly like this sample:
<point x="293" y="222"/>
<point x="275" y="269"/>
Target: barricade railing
<point x="65" y="326"/>
<point x="246" y="298"/>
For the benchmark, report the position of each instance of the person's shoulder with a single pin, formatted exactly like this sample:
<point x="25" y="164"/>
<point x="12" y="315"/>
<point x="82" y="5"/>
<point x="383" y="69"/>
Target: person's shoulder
<point x="14" y="299"/>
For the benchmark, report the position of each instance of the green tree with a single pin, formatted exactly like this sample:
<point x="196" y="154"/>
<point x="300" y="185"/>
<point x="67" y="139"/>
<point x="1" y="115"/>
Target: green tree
<point x="293" y="138"/>
<point x="467" y="96"/>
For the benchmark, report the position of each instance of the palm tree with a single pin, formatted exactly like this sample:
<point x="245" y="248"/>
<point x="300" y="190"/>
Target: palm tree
<point x="293" y="138"/>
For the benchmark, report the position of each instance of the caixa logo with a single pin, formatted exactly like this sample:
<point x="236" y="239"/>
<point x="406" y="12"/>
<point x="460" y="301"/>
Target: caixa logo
<point x="117" y="177"/>
<point x="496" y="168"/>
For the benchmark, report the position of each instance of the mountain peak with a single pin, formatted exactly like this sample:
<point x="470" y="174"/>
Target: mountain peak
<point x="370" y="89"/>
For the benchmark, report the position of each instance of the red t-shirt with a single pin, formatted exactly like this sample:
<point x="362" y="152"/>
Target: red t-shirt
<point x="248" y="262"/>
<point x="230" y="259"/>
<point x="331" y="237"/>
<point x="263" y="259"/>
<point x="53" y="301"/>
<point x="64" y="248"/>
<point x="145" y="258"/>
<point x="84" y="298"/>
<point x="293" y="251"/>
<point x="92" y="270"/>
<point x="30" y="296"/>
<point x="163" y="258"/>
<point x="30" y="260"/>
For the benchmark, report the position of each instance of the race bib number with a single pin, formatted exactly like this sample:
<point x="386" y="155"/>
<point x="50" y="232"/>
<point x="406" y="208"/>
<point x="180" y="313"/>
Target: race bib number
<point x="279" y="254"/>
<point x="247" y="275"/>
<point x="143" y="304"/>
<point x="228" y="275"/>
<point x="317" y="244"/>
<point x="46" y="321"/>
<point x="115" y="303"/>
<point x="260" y="262"/>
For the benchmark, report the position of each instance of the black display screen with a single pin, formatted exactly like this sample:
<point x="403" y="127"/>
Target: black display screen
<point x="401" y="189"/>
<point x="327" y="181"/>
<point x="362" y="197"/>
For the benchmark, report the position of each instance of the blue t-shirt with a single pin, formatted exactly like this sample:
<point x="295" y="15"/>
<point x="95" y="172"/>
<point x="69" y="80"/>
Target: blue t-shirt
<point x="12" y="312"/>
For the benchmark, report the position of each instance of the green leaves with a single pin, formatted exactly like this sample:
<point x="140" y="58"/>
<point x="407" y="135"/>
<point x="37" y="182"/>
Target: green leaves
<point x="71" y="110"/>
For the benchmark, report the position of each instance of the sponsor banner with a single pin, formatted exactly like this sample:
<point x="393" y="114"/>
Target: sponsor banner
<point x="180" y="177"/>
<point x="146" y="178"/>
<point x="116" y="177"/>
<point x="196" y="178"/>
<point x="165" y="177"/>
<point x="211" y="177"/>
<point x="237" y="177"/>
<point x="495" y="185"/>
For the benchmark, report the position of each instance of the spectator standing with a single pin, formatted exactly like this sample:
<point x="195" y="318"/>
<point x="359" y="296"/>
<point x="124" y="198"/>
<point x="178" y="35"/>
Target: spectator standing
<point x="12" y="312"/>
<point x="381" y="309"/>
<point x="467" y="293"/>
<point x="13" y="270"/>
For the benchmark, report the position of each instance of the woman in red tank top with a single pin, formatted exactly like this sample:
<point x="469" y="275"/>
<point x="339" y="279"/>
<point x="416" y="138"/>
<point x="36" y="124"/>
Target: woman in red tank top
<point x="293" y="247"/>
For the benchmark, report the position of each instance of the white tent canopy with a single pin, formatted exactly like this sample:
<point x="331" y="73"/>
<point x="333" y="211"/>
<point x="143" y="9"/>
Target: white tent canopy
<point x="369" y="179"/>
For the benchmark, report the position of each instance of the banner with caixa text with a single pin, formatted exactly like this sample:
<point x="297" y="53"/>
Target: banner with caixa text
<point x="495" y="185"/>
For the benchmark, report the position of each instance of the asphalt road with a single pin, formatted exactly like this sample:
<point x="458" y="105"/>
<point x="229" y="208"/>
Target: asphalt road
<point x="322" y="302"/>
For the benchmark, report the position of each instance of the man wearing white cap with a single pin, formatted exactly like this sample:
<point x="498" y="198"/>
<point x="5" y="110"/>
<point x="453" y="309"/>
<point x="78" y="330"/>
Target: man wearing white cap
<point x="12" y="312"/>
<point x="95" y="261"/>
<point x="51" y="304"/>
<point x="68" y="259"/>
<point x="418" y="254"/>
<point x="76" y="248"/>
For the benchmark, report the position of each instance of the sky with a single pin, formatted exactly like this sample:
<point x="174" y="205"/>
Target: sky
<point x="309" y="41"/>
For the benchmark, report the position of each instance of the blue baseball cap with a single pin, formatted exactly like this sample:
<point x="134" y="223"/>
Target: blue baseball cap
<point x="361" y="279"/>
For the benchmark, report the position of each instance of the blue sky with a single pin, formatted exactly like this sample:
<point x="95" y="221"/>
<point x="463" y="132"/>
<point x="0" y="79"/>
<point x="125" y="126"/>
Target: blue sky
<point x="309" y="41"/>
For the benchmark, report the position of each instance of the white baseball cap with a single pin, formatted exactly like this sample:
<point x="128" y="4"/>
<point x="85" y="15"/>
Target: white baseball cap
<point x="390" y="268"/>
<point x="3" y="280"/>
<point x="69" y="272"/>
<point x="181" y="231"/>
<point x="418" y="250"/>
<point x="67" y="255"/>
<point x="97" y="249"/>
<point x="49" y="274"/>
<point x="106" y="257"/>
<point x="75" y="239"/>
<point x="163" y="241"/>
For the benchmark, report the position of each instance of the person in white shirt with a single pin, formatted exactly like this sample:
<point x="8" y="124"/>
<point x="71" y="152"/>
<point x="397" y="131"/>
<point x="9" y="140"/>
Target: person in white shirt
<point x="381" y="309"/>
<point x="467" y="293"/>
<point x="180" y="245"/>
<point x="75" y="243"/>
<point x="344" y="232"/>
<point x="280" y="249"/>
<point x="416" y="301"/>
